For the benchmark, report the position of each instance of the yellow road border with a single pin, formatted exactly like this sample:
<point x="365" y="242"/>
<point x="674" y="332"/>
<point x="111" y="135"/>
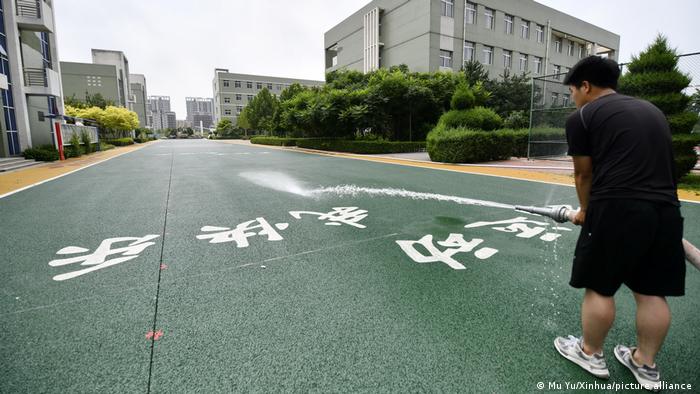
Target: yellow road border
<point x="15" y="181"/>
<point x="509" y="173"/>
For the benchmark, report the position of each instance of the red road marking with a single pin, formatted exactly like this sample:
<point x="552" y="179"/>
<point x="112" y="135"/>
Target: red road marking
<point x="154" y="335"/>
<point x="163" y="267"/>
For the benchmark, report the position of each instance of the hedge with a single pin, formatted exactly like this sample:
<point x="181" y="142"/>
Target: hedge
<point x="361" y="147"/>
<point x="41" y="153"/>
<point x="276" y="141"/>
<point x="120" y="142"/>
<point x="479" y="118"/>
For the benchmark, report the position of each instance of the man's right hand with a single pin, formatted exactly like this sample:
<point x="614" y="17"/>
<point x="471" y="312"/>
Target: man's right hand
<point x="579" y="217"/>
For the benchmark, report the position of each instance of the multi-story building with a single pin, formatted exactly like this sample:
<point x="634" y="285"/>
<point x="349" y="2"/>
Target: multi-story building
<point x="118" y="59"/>
<point x="82" y="79"/>
<point x="160" y="114"/>
<point x="200" y="111"/>
<point x="30" y="81"/>
<point x="139" y="93"/>
<point x="232" y="92"/>
<point x="434" y="35"/>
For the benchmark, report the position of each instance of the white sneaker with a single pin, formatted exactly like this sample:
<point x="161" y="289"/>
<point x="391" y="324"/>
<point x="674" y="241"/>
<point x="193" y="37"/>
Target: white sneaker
<point x="570" y="347"/>
<point x="647" y="376"/>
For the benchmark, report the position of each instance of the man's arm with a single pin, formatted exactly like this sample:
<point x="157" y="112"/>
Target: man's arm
<point x="583" y="173"/>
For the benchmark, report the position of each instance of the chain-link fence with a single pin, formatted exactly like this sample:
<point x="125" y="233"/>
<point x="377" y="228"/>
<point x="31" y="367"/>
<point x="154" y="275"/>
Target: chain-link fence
<point x="551" y="105"/>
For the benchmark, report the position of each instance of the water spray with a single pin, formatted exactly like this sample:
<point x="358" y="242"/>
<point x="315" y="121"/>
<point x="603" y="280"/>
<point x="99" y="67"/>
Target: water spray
<point x="563" y="213"/>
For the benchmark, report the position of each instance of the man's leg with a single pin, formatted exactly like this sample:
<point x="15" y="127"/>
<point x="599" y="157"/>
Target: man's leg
<point x="597" y="316"/>
<point x="653" y="321"/>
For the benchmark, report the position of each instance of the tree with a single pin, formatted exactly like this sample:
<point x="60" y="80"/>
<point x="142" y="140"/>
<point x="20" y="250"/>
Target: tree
<point x="510" y="93"/>
<point x="475" y="72"/>
<point x="224" y="127"/>
<point x="95" y="100"/>
<point x="119" y="120"/>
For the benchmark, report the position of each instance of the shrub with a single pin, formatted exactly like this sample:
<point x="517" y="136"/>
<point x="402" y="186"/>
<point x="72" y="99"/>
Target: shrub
<point x="105" y="146"/>
<point x="517" y="120"/>
<point x="463" y="98"/>
<point x="653" y="83"/>
<point x="360" y="147"/>
<point x="74" y="149"/>
<point x="275" y="141"/>
<point x="120" y="141"/>
<point x="682" y="122"/>
<point x="87" y="144"/>
<point x="669" y="103"/>
<point x="478" y="118"/>
<point x="462" y="145"/>
<point x="41" y="153"/>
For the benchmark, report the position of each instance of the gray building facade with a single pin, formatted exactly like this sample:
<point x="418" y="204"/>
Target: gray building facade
<point x="119" y="60"/>
<point x="139" y="93"/>
<point x="159" y="113"/>
<point x="82" y="79"/>
<point x="232" y="91"/>
<point x="200" y="111"/>
<point x="30" y="75"/>
<point x="435" y="35"/>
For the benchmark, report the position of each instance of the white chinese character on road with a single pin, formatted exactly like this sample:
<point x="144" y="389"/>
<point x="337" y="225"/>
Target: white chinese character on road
<point x="339" y="215"/>
<point x="455" y="243"/>
<point x="520" y="226"/>
<point x="242" y="232"/>
<point x="98" y="259"/>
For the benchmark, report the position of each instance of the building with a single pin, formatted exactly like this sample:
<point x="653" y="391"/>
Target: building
<point x="139" y="93"/>
<point x="183" y="123"/>
<point x="82" y="79"/>
<point x="119" y="60"/>
<point x="30" y="75"/>
<point x="232" y="92"/>
<point x="435" y="35"/>
<point x="160" y="115"/>
<point x="200" y="111"/>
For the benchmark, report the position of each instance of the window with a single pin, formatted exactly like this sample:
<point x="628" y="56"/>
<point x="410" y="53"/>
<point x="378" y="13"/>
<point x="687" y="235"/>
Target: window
<point x="226" y="83"/>
<point x="470" y="14"/>
<point x="540" y="33"/>
<point x="525" y="29"/>
<point x="227" y="100"/>
<point x="227" y="112"/>
<point x="468" y="51"/>
<point x="279" y="86"/>
<point x="538" y="65"/>
<point x="249" y="84"/>
<point x="45" y="49"/>
<point x="581" y="51"/>
<point x="448" y="8"/>
<point x="488" y="55"/>
<point x="269" y="86"/>
<point x="239" y="97"/>
<point x="557" y="71"/>
<point x="508" y="19"/>
<point x="488" y="16"/>
<point x="250" y="97"/>
<point x="507" y="59"/>
<point x="445" y="58"/>
<point x="239" y="109"/>
<point x="557" y="44"/>
<point x="523" y="62"/>
<point x="565" y="100"/>
<point x="570" y="49"/>
<point x="555" y="99"/>
<point x="258" y="85"/>
<point x="237" y="84"/>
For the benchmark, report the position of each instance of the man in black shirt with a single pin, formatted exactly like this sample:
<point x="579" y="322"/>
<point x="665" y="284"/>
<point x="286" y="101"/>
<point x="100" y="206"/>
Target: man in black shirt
<point x="631" y="224"/>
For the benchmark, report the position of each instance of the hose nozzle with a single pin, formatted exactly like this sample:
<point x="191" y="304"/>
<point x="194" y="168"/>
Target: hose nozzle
<point x="558" y="213"/>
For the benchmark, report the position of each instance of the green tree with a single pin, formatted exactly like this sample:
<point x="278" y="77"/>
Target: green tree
<point x="509" y="93"/>
<point x="224" y="127"/>
<point x="260" y="112"/>
<point x="475" y="72"/>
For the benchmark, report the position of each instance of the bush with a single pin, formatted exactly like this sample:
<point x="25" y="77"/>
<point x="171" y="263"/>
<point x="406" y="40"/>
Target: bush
<point x="361" y="147"/>
<point x="105" y="146"/>
<point x="517" y="120"/>
<point x="463" y="98"/>
<point x="275" y="141"/>
<point x="74" y="149"/>
<point x="682" y="122"/>
<point x="41" y="153"/>
<point x="478" y="118"/>
<point x="653" y="83"/>
<point x="669" y="103"/>
<point x="120" y="142"/>
<point x="87" y="144"/>
<point x="462" y="145"/>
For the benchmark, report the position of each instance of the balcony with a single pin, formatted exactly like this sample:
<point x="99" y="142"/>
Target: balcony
<point x="34" y="15"/>
<point x="41" y="82"/>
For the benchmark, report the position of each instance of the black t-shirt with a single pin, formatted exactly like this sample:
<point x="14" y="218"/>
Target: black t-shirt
<point x="629" y="141"/>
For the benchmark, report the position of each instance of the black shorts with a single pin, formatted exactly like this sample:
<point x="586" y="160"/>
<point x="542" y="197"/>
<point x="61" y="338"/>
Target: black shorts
<point x="635" y="242"/>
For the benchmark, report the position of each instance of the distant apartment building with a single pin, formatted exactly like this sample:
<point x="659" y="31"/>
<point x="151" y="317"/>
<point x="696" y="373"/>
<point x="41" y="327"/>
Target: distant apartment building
<point x="30" y="82"/>
<point x="434" y="35"/>
<point x="161" y="116"/>
<point x="81" y="80"/>
<point x="139" y="93"/>
<point x="232" y="92"/>
<point x="119" y="60"/>
<point x="200" y="111"/>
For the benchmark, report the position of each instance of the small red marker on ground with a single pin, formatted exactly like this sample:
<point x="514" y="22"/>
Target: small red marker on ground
<point x="154" y="335"/>
<point x="163" y="267"/>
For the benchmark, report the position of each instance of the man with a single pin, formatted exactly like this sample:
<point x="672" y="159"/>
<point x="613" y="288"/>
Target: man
<point x="632" y="227"/>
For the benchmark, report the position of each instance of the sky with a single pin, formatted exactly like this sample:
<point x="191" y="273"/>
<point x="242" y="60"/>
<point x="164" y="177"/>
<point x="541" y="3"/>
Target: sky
<point x="177" y="44"/>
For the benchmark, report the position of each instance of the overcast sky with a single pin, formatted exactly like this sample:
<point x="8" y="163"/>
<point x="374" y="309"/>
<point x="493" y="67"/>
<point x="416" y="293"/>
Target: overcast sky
<point x="177" y="44"/>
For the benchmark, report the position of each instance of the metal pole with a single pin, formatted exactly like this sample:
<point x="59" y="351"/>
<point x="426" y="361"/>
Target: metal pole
<point x="532" y="101"/>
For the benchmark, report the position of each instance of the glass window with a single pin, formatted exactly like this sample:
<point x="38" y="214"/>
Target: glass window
<point x="468" y="51"/>
<point x="570" y="49"/>
<point x="448" y="7"/>
<point x="269" y="86"/>
<point x="239" y="109"/>
<point x="470" y="13"/>
<point x="555" y="98"/>
<point x="445" y="58"/>
<point x="227" y="112"/>
<point x="279" y="86"/>
<point x="525" y="29"/>
<point x="523" y="62"/>
<point x="540" y="33"/>
<point x="557" y="71"/>
<point x="237" y="84"/>
<point x="488" y="55"/>
<point x="507" y="59"/>
<point x="238" y="97"/>
<point x="250" y="97"/>
<point x="581" y="51"/>
<point x="226" y="83"/>
<point x="508" y="19"/>
<point x="557" y="44"/>
<point x="488" y="18"/>
<point x="538" y="65"/>
<point x="227" y="100"/>
<point x="565" y="100"/>
<point x="249" y="84"/>
<point x="258" y="85"/>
